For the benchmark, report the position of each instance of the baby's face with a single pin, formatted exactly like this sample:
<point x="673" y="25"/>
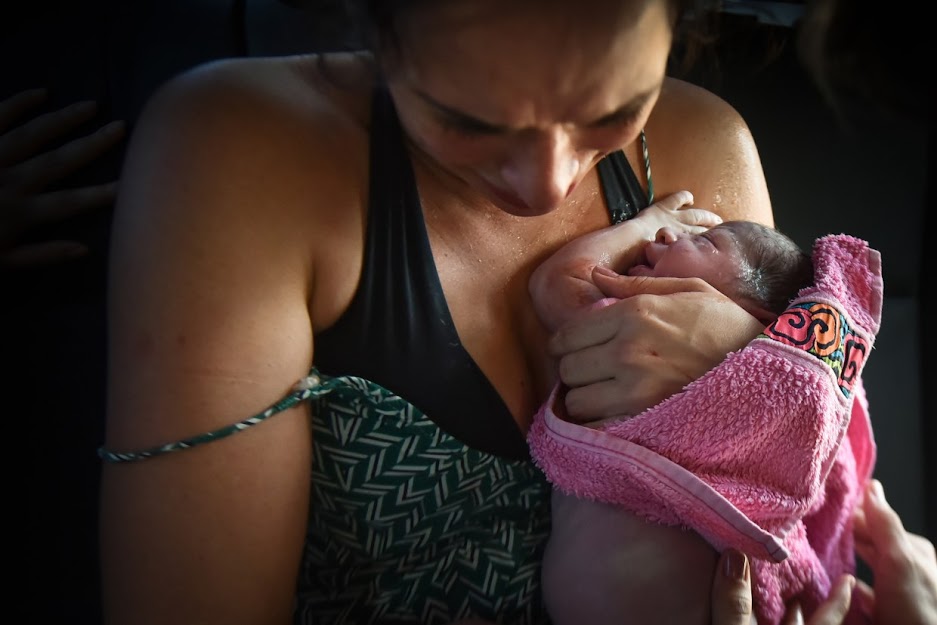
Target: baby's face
<point x="712" y="255"/>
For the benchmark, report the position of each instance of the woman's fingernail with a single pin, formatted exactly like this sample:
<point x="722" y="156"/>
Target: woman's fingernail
<point x="736" y="565"/>
<point x="877" y="490"/>
<point x="604" y="271"/>
<point x="797" y="615"/>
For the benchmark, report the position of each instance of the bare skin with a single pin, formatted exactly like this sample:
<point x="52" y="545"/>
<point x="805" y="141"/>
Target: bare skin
<point x="239" y="234"/>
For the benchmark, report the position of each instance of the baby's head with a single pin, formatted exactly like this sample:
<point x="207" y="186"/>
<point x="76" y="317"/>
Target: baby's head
<point x="758" y="267"/>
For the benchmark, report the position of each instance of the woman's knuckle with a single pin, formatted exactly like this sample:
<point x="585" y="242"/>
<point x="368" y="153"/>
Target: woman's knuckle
<point x="739" y="605"/>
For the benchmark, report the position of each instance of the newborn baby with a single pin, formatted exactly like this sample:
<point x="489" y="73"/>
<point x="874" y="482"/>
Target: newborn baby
<point x="604" y="565"/>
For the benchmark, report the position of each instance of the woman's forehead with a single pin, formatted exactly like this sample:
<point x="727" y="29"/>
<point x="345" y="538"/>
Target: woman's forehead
<point x="518" y="64"/>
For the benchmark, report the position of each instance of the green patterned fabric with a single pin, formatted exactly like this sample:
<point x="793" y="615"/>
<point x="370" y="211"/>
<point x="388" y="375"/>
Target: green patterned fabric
<point x="408" y="525"/>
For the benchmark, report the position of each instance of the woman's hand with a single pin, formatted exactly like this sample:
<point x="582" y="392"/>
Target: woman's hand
<point x="562" y="285"/>
<point x="732" y="596"/>
<point x="26" y="171"/>
<point x="673" y="211"/>
<point x="628" y="356"/>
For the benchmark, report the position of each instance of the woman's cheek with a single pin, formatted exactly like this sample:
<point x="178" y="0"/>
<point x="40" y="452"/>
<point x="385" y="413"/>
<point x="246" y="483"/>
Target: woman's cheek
<point x="452" y="149"/>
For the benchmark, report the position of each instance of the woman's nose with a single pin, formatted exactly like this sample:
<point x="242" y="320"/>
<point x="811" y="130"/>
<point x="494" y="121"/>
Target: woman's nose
<point x="665" y="236"/>
<point x="543" y="170"/>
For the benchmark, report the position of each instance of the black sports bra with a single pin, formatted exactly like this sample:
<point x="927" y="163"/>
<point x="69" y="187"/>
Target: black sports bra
<point x="398" y="332"/>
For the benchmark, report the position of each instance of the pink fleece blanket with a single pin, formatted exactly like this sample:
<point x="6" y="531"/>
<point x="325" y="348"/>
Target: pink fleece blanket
<point x="768" y="452"/>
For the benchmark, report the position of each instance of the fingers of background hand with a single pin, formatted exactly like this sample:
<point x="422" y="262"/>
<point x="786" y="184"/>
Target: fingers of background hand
<point x="833" y="610"/>
<point x="42" y="254"/>
<point x="18" y="216"/>
<point x="28" y="139"/>
<point x="55" y="164"/>
<point x="883" y="530"/>
<point x="17" y="104"/>
<point x="923" y="548"/>
<point x="732" y="590"/>
<point x="864" y="597"/>
<point x="793" y="616"/>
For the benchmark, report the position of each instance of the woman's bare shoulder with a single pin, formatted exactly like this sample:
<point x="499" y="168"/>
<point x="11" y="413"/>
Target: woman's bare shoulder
<point x="247" y="154"/>
<point x="699" y="141"/>
<point x="247" y="107"/>
<point x="292" y="145"/>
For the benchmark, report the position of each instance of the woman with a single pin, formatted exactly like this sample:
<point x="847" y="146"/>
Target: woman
<point x="271" y="218"/>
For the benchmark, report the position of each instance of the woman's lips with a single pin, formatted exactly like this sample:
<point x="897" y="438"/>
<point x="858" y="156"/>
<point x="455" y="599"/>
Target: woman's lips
<point x="513" y="201"/>
<point x="507" y="197"/>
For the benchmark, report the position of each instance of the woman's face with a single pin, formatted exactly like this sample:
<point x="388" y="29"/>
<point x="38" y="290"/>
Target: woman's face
<point x="518" y="100"/>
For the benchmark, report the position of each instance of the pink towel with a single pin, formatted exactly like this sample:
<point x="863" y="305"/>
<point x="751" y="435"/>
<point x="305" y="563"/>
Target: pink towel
<point x="768" y="452"/>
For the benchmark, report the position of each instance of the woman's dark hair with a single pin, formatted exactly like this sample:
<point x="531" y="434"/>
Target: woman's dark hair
<point x="375" y="23"/>
<point x="777" y="268"/>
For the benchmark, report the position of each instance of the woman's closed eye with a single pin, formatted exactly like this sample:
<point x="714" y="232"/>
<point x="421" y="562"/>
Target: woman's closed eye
<point x="469" y="126"/>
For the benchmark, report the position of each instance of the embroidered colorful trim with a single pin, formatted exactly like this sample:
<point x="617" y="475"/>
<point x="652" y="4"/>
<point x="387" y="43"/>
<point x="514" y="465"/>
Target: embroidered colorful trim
<point x="821" y="330"/>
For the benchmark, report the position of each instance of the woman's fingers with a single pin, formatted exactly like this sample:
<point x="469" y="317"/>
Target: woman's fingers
<point x="698" y="219"/>
<point x="592" y="328"/>
<point x="732" y="590"/>
<point x="621" y="286"/>
<point x="674" y="200"/>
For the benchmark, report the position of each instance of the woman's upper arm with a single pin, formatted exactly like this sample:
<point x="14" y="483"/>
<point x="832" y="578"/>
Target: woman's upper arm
<point x="208" y="325"/>
<point x="699" y="142"/>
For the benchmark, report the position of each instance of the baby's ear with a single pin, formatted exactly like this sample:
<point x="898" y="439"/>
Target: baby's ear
<point x="759" y="312"/>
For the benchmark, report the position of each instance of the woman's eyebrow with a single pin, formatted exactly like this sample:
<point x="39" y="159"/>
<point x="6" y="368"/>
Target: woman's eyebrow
<point x="629" y="108"/>
<point x="458" y="116"/>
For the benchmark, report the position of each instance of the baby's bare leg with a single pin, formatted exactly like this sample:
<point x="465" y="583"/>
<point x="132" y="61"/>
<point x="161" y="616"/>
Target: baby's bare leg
<point x="605" y="566"/>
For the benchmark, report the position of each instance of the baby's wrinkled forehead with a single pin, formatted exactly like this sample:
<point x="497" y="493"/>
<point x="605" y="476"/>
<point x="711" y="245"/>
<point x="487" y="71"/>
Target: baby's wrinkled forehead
<point x="743" y="232"/>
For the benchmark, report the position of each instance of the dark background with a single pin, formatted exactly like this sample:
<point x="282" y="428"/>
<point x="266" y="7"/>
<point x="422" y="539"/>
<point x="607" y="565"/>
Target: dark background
<point x="866" y="174"/>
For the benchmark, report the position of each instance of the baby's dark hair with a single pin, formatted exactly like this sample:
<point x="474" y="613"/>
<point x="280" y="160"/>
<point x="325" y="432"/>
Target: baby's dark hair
<point x="776" y="268"/>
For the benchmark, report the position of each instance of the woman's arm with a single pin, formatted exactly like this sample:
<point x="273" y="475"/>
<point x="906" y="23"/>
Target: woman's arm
<point x="562" y="285"/>
<point x="209" y="324"/>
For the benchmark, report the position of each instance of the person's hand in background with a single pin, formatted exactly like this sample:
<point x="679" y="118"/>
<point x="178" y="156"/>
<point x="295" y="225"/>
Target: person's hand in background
<point x="903" y="565"/>
<point x="29" y="168"/>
